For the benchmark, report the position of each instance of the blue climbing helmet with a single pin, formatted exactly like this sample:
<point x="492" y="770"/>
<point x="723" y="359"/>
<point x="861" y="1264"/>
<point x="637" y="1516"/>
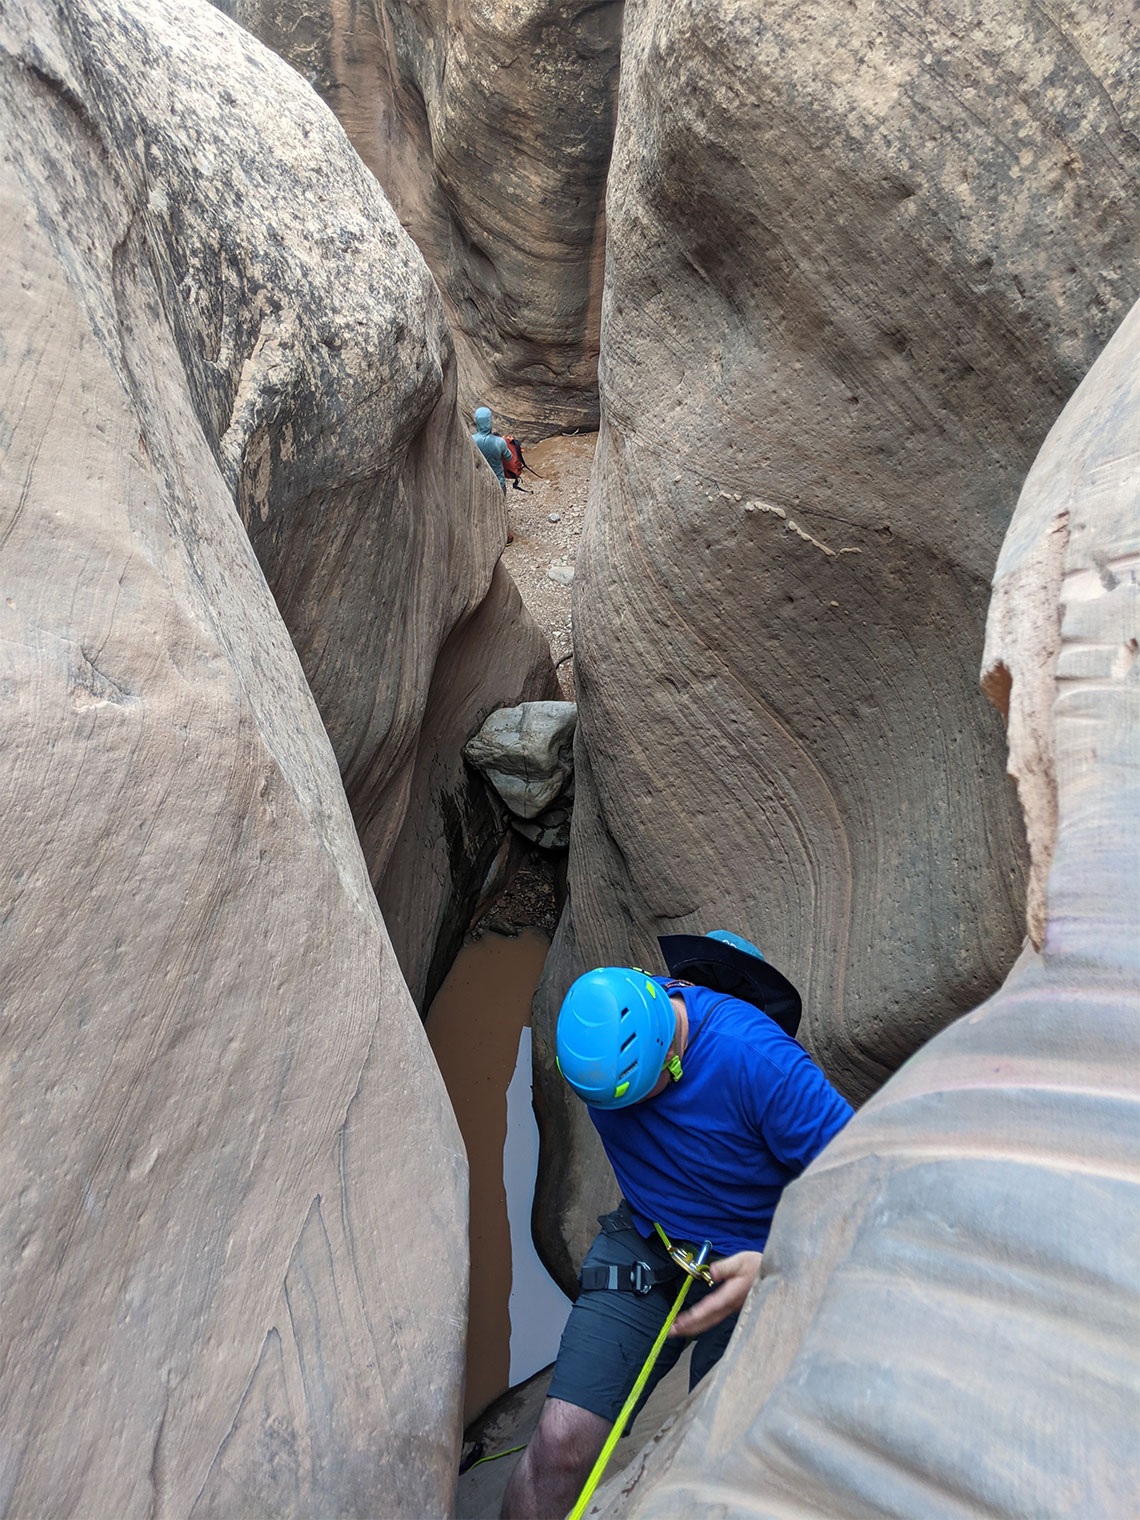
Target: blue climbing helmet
<point x="614" y="1031"/>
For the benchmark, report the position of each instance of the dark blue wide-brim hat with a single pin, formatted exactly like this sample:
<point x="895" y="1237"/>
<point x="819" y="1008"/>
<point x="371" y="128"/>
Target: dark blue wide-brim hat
<point x="727" y="967"/>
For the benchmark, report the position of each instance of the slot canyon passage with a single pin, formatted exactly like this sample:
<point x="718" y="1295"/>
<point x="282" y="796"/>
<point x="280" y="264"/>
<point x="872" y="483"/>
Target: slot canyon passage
<point x="817" y="620"/>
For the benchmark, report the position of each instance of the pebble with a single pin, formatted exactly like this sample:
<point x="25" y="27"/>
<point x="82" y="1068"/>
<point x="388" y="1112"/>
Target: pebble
<point x="554" y="517"/>
<point x="563" y="574"/>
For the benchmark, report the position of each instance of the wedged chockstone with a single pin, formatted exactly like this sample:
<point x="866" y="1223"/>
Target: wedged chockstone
<point x="527" y="754"/>
<point x="550" y="830"/>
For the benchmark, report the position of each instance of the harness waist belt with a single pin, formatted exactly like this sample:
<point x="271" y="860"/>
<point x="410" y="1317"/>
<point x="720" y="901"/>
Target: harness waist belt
<point x="635" y="1277"/>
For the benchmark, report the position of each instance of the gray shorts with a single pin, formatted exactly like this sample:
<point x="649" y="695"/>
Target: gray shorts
<point x="609" y="1334"/>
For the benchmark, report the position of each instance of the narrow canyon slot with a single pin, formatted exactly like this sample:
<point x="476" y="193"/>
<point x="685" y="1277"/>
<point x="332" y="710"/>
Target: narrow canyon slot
<point x="478" y="1026"/>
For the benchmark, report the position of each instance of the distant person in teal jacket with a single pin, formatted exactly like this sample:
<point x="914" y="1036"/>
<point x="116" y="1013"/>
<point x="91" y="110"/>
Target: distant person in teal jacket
<point x="493" y="448"/>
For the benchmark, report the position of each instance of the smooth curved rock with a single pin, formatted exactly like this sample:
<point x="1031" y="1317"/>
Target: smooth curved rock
<point x="526" y="753"/>
<point x="322" y="373"/>
<point x="945" y="1323"/>
<point x="451" y="853"/>
<point x="490" y="129"/>
<point x="852" y="279"/>
<point x="234" y="1194"/>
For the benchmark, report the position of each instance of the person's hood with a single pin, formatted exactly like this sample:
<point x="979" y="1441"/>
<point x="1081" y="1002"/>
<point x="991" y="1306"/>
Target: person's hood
<point x="483" y="419"/>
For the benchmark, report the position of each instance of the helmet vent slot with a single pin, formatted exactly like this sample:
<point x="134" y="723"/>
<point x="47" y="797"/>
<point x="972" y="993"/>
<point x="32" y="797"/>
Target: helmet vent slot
<point x="625" y="1044"/>
<point x="623" y="1013"/>
<point x="628" y="1071"/>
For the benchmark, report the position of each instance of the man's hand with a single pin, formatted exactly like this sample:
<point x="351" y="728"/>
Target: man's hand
<point x="735" y="1275"/>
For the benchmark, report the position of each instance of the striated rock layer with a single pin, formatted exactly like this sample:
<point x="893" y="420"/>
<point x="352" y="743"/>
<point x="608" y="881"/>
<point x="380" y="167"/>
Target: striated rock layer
<point x="234" y="1195"/>
<point x="852" y="279"/>
<point x="319" y="365"/>
<point x="945" y="1324"/>
<point x="490" y="128"/>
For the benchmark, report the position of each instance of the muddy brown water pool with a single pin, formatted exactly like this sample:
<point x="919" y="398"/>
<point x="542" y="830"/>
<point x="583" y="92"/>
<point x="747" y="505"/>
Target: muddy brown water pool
<point x="478" y="1027"/>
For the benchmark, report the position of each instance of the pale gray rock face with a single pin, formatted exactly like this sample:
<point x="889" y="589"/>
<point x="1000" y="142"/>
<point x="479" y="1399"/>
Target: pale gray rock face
<point x="857" y="261"/>
<point x="490" y="128"/>
<point x="526" y="753"/>
<point x="550" y="830"/>
<point x="945" y="1321"/>
<point x="233" y="1187"/>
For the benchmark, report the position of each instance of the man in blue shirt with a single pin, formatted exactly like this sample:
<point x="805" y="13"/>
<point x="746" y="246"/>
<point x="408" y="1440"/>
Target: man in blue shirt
<point x="493" y="448"/>
<point x="707" y="1109"/>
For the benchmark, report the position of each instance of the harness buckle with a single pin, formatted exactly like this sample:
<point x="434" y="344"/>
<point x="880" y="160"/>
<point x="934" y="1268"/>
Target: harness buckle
<point x="642" y="1277"/>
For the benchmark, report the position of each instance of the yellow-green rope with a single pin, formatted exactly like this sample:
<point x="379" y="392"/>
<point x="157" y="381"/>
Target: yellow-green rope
<point x="634" y="1394"/>
<point x="494" y="1457"/>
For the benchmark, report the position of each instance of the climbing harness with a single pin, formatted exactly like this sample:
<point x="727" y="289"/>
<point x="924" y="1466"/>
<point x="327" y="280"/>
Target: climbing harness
<point x="693" y="1265"/>
<point x="632" y="1277"/>
<point x="624" y="1277"/>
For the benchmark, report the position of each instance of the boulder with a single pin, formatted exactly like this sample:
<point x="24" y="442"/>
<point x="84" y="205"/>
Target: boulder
<point x="526" y="753"/>
<point x="945" y="1322"/>
<point x="855" y="270"/>
<point x="490" y="129"/>
<point x="551" y="829"/>
<point x="233" y="1188"/>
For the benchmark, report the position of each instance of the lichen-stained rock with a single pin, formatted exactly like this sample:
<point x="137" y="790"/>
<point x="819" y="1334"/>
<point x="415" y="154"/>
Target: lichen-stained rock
<point x="526" y="753"/>
<point x="320" y="367"/>
<point x="490" y="128"/>
<point x="945" y="1324"/>
<point x="232" y="1192"/>
<point x="859" y="257"/>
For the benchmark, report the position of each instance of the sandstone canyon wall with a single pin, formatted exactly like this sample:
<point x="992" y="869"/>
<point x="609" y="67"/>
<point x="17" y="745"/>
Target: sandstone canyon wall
<point x="320" y="366"/>
<point x="233" y="1189"/>
<point x="945" y="1323"/>
<point x="852" y="276"/>
<point x="490" y="128"/>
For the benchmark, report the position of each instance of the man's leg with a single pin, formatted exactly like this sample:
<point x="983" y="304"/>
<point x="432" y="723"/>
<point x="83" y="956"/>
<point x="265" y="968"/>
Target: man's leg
<point x="556" y="1463"/>
<point x="606" y="1340"/>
